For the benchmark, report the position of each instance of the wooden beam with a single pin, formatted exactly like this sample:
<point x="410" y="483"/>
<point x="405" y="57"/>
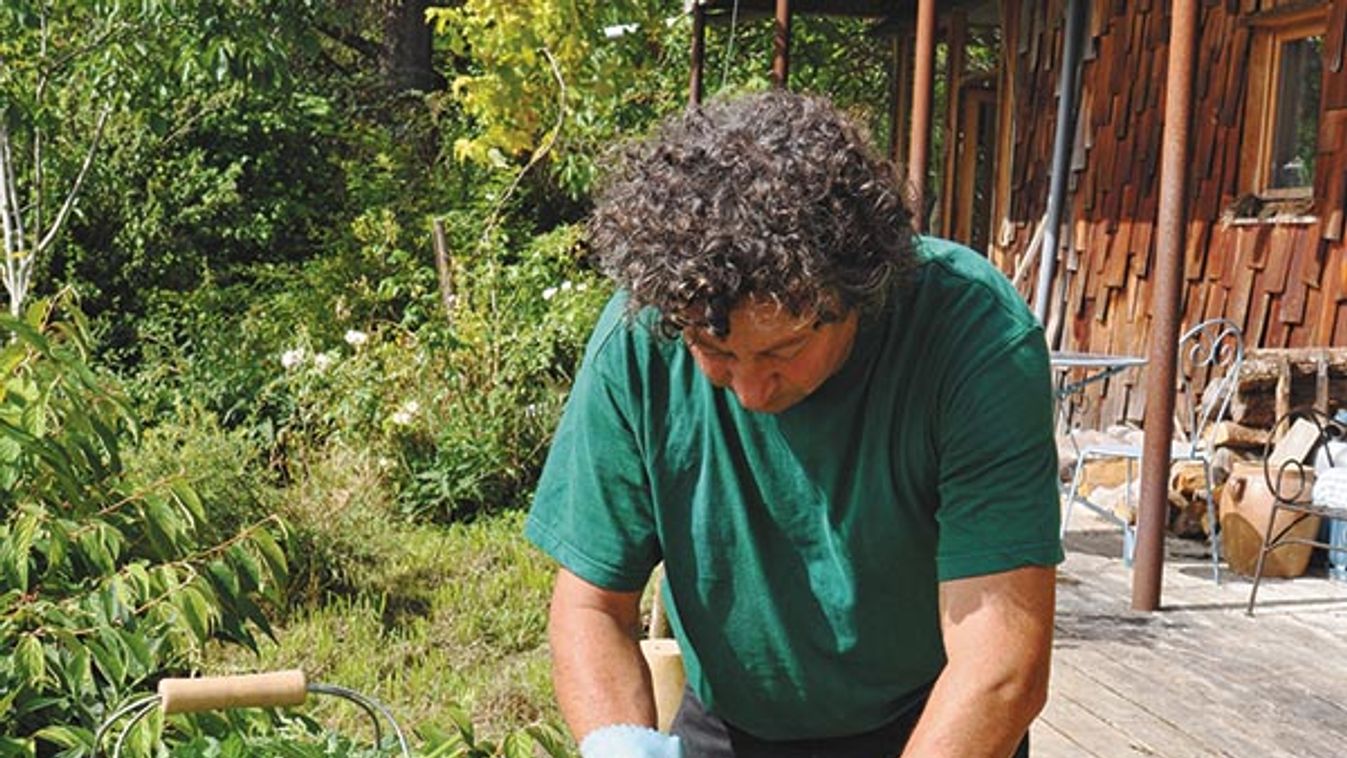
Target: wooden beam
<point x="922" y="95"/>
<point x="956" y="42"/>
<point x="781" y="44"/>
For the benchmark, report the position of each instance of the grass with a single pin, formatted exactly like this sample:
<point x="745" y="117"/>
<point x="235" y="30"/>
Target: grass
<point x="453" y="617"/>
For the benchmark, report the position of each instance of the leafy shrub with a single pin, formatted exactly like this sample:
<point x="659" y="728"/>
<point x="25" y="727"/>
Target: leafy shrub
<point x="495" y="381"/>
<point x="111" y="577"/>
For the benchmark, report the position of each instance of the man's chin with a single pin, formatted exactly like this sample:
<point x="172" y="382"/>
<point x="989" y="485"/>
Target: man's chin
<point x="774" y="406"/>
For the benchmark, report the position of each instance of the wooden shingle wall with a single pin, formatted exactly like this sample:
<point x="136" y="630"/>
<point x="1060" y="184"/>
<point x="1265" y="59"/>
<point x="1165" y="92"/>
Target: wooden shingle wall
<point x="1284" y="282"/>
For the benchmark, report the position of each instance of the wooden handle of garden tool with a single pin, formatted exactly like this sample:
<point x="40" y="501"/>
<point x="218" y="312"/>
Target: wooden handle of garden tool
<point x="213" y="693"/>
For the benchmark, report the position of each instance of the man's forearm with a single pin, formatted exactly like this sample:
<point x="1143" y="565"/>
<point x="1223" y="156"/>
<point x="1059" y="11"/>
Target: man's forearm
<point x="600" y="676"/>
<point x="998" y="638"/>
<point x="971" y="719"/>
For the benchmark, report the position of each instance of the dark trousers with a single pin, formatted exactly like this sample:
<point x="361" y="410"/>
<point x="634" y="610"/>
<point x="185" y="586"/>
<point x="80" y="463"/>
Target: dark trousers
<point x="706" y="735"/>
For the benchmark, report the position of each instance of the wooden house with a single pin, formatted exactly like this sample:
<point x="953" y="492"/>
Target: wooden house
<point x="1266" y="180"/>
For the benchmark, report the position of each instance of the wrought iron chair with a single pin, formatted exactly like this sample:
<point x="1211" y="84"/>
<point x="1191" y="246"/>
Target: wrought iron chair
<point x="1288" y="482"/>
<point x="1212" y="350"/>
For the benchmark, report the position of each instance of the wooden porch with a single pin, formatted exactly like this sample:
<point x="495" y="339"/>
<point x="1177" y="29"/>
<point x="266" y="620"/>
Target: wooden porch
<point x="1198" y="678"/>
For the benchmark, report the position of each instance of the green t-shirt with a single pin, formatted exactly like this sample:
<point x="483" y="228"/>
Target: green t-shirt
<point x="803" y="550"/>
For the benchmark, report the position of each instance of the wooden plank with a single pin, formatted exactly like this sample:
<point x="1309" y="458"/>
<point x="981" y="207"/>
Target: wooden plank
<point x="1328" y="306"/>
<point x="1260" y="60"/>
<point x="1237" y="308"/>
<point x="1115" y="268"/>
<point x="1293" y="301"/>
<point x="1230" y="261"/>
<point x="1143" y="730"/>
<point x="1195" y="251"/>
<point x="1279" y="242"/>
<point x="1251" y="247"/>
<point x="1218" y="253"/>
<point x="1048" y="741"/>
<point x="1256" y="319"/>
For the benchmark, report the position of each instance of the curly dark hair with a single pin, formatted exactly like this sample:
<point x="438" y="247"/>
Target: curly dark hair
<point x="775" y="196"/>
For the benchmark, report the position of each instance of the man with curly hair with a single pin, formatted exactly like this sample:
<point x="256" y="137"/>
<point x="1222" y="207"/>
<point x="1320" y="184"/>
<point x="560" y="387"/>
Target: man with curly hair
<point x="834" y="433"/>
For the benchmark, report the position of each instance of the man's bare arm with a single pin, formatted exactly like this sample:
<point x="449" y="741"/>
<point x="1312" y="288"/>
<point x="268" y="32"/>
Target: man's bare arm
<point x="998" y="637"/>
<point x="600" y="676"/>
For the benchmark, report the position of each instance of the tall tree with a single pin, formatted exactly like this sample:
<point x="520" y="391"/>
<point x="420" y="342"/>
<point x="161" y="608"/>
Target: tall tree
<point x="68" y="70"/>
<point x="405" y="56"/>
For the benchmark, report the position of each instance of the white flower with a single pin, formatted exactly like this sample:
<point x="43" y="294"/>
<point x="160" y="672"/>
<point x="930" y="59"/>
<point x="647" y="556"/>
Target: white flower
<point x="323" y="361"/>
<point x="356" y="338"/>
<point x="549" y="293"/>
<point x="292" y="358"/>
<point x="566" y="285"/>
<point x="404" y="415"/>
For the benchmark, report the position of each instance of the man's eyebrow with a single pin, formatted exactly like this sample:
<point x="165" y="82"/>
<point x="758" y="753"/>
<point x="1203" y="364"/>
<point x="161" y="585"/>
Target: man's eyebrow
<point x="700" y="340"/>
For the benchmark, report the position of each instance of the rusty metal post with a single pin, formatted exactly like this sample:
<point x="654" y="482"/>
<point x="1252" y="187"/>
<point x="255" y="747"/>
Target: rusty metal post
<point x="956" y="53"/>
<point x="781" y="45"/>
<point x="918" y="152"/>
<point x="698" y="53"/>
<point x="899" y="96"/>
<point x="1162" y="366"/>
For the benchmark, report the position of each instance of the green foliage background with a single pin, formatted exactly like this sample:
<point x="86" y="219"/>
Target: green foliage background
<point x="241" y="426"/>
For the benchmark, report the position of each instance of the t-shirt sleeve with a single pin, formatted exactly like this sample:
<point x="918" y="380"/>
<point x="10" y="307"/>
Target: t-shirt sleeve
<point x="998" y="463"/>
<point x="592" y="509"/>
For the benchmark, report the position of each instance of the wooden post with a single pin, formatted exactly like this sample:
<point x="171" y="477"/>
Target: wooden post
<point x="443" y="269"/>
<point x="900" y="96"/>
<point x="956" y="42"/>
<point x="922" y="93"/>
<point x="698" y="53"/>
<point x="781" y="45"/>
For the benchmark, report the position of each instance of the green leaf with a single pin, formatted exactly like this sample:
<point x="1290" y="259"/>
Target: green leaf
<point x="12" y="747"/>
<point x="272" y="555"/>
<point x="109" y="655"/>
<point x="20" y="545"/>
<point x="66" y="736"/>
<point x="248" y="570"/>
<point x="195" y="611"/>
<point x="187" y="496"/>
<point x="29" y="661"/>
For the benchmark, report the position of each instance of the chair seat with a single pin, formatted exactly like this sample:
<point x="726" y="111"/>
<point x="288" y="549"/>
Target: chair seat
<point x="1178" y="451"/>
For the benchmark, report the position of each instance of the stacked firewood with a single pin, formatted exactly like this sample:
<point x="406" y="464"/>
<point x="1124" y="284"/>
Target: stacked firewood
<point x="1271" y="382"/>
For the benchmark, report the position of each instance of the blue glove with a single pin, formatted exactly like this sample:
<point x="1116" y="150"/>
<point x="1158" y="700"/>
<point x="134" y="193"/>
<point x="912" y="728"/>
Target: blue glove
<point x="629" y="741"/>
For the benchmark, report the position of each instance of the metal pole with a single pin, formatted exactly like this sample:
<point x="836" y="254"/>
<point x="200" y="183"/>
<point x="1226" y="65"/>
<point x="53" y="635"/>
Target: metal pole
<point x="1076" y="11"/>
<point x="922" y="89"/>
<point x="698" y="53"/>
<point x="899" y="102"/>
<point x="781" y="45"/>
<point x="1162" y="366"/>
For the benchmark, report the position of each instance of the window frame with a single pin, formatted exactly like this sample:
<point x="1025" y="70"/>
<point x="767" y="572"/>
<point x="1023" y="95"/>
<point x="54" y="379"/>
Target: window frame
<point x="1271" y="32"/>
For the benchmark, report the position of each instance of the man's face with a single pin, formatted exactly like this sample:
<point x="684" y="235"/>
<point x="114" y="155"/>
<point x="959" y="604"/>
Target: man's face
<point x="771" y="359"/>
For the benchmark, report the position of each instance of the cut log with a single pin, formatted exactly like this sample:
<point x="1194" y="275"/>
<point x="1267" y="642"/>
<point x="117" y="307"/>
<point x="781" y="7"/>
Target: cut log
<point x="1231" y="434"/>
<point x="1274" y="380"/>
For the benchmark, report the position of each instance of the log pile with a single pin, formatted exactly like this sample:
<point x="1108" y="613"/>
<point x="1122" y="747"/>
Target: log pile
<point x="1271" y="383"/>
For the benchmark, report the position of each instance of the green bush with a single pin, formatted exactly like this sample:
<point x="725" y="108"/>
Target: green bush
<point x="111" y="576"/>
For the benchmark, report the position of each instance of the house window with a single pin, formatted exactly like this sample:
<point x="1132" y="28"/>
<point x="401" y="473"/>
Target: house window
<point x="1293" y="138"/>
<point x="1282" y="120"/>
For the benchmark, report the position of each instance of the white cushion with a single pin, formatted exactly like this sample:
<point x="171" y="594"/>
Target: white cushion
<point x="1330" y="488"/>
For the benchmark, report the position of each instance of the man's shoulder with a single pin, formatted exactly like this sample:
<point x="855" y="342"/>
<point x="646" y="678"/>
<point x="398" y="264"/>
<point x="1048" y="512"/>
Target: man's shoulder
<point x="968" y="286"/>
<point x="622" y="339"/>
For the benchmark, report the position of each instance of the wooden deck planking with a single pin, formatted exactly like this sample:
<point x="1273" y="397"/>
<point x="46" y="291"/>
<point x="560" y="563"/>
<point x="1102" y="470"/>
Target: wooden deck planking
<point x="1198" y="678"/>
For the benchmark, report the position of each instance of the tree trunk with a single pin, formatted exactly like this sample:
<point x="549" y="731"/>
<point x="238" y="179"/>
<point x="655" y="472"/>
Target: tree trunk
<point x="405" y="58"/>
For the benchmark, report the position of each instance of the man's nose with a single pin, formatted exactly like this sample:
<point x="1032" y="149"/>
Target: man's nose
<point x="754" y="388"/>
